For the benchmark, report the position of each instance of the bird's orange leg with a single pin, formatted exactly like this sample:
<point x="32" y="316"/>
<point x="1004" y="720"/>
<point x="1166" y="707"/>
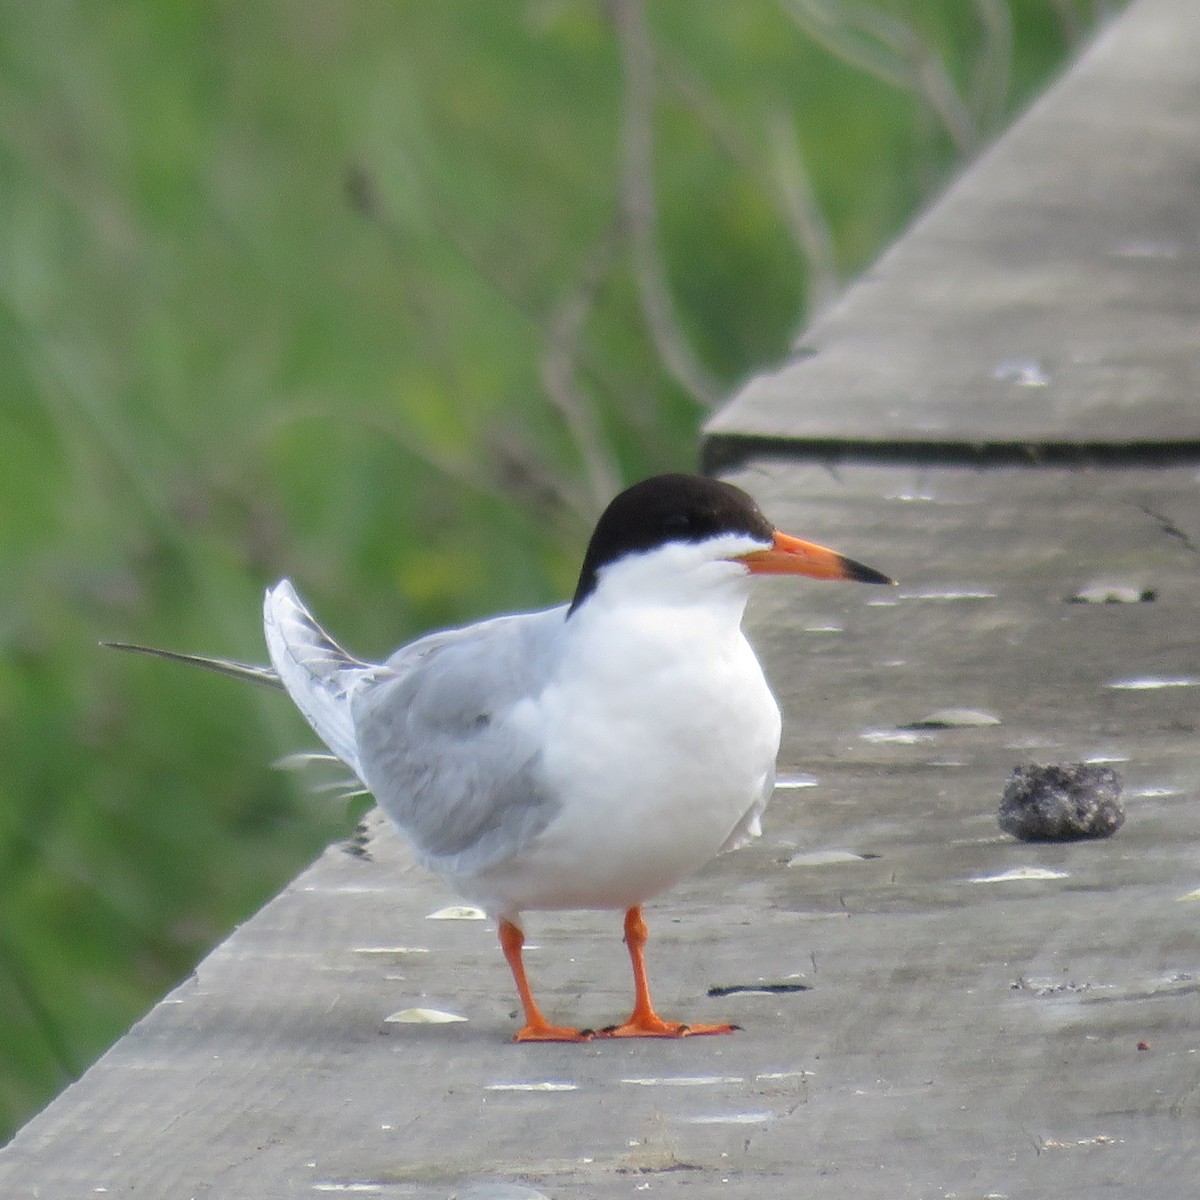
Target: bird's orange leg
<point x="536" y="1028"/>
<point x="644" y="1021"/>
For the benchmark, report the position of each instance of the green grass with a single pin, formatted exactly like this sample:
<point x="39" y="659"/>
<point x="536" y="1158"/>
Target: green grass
<point x="353" y="293"/>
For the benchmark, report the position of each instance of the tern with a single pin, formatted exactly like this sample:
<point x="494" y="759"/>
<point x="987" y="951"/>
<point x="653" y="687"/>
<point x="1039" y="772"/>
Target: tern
<point x="587" y="756"/>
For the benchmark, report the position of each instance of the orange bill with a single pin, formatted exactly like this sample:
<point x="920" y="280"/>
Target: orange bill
<point x="791" y="556"/>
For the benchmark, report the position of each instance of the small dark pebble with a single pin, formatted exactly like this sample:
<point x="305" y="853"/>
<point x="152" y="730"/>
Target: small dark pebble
<point x="1062" y="802"/>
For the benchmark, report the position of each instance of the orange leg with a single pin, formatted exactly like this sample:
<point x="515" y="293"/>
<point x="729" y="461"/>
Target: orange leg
<point x="644" y="1021"/>
<point x="536" y="1028"/>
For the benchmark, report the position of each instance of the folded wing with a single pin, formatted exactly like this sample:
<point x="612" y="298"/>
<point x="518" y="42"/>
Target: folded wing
<point x="450" y="739"/>
<point x="445" y="734"/>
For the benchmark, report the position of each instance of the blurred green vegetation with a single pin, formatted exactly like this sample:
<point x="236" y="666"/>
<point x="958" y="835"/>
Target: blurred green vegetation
<point x="389" y="298"/>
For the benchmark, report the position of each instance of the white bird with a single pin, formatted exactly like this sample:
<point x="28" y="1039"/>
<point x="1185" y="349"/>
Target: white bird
<point x="586" y="756"/>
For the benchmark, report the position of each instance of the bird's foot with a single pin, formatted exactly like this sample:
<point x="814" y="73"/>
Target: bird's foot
<point x="656" y="1027"/>
<point x="544" y="1032"/>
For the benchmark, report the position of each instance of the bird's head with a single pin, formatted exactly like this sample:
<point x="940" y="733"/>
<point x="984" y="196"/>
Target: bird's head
<point x="685" y="535"/>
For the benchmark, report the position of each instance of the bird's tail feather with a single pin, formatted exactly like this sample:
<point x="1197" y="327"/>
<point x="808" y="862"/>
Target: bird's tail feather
<point x="340" y="786"/>
<point x="318" y="674"/>
<point x="267" y="676"/>
<point x="307" y="663"/>
<point x="344" y="788"/>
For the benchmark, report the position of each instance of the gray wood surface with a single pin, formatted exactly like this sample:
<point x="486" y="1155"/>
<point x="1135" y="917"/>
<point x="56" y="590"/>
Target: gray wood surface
<point x="1049" y="298"/>
<point x="957" y="1036"/>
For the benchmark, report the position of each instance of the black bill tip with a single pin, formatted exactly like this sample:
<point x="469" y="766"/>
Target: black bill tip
<point x="860" y="573"/>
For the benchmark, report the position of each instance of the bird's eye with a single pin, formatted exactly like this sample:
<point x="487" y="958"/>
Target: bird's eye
<point x="678" y="523"/>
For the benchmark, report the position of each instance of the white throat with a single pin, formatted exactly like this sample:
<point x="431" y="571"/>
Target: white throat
<point x="698" y="576"/>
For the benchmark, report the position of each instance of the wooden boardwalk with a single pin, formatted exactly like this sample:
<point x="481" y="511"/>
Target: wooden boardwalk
<point x="1049" y="299"/>
<point x="1004" y="415"/>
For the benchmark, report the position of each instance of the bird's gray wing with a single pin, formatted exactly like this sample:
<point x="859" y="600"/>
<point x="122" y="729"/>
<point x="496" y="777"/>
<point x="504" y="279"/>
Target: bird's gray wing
<point x="449" y="743"/>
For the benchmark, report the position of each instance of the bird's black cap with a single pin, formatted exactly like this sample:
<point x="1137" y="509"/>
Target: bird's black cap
<point x="667" y="508"/>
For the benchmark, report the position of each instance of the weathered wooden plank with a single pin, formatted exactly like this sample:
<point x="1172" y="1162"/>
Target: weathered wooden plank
<point x="1049" y="297"/>
<point x="957" y="1036"/>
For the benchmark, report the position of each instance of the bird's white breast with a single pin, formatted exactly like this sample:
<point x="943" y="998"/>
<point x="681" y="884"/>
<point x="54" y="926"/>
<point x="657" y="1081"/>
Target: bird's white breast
<point x="660" y="736"/>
